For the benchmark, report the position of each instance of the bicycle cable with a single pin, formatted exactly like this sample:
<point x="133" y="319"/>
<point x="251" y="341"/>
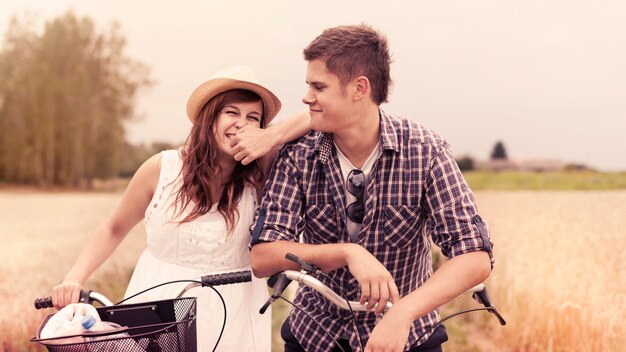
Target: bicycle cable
<point x="310" y="317"/>
<point x="354" y="324"/>
<point x="188" y="281"/>
<point x="489" y="309"/>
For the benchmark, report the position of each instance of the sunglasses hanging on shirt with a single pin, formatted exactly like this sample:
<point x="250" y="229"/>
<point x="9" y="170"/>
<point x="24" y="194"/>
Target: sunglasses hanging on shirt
<point x="356" y="187"/>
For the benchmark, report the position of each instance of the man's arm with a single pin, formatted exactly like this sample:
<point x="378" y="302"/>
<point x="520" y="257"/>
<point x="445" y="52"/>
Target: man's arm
<point x="462" y="236"/>
<point x="268" y="258"/>
<point x="452" y="279"/>
<point x="377" y="284"/>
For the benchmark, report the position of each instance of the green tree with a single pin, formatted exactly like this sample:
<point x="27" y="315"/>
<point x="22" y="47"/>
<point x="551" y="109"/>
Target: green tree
<point x="136" y="154"/>
<point x="465" y="163"/>
<point x="499" y="152"/>
<point x="65" y="97"/>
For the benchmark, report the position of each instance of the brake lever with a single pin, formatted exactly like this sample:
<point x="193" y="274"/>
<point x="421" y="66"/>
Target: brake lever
<point x="304" y="266"/>
<point x="482" y="297"/>
<point x="279" y="283"/>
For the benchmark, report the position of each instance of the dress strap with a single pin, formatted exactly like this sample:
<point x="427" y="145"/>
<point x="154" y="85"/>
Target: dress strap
<point x="171" y="164"/>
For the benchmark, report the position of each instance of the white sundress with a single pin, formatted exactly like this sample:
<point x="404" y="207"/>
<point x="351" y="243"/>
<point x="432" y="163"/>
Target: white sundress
<point x="193" y="249"/>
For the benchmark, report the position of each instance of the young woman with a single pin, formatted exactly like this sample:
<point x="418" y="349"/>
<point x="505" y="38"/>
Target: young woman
<point x="197" y="203"/>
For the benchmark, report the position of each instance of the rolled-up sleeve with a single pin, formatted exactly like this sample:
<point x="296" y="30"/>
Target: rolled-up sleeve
<point x="279" y="216"/>
<point x="453" y="217"/>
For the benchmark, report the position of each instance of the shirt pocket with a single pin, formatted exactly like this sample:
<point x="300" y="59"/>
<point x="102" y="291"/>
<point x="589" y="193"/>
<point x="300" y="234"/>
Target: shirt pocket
<point x="321" y="224"/>
<point x="401" y="225"/>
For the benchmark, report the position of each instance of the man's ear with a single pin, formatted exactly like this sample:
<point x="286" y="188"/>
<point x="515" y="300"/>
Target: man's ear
<point x="362" y="88"/>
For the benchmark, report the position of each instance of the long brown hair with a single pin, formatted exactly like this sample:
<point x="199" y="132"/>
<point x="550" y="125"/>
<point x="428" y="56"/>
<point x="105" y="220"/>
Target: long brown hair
<point x="201" y="165"/>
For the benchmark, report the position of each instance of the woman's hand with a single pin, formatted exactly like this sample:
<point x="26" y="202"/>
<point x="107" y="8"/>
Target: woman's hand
<point x="65" y="293"/>
<point x="251" y="143"/>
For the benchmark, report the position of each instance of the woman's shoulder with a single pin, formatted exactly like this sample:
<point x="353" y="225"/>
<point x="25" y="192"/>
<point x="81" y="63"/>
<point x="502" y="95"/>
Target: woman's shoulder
<point x="151" y="168"/>
<point x="168" y="158"/>
<point x="153" y="165"/>
<point x="173" y="153"/>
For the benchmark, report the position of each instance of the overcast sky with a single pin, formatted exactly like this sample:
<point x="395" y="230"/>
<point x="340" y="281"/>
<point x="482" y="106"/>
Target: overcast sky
<point x="546" y="77"/>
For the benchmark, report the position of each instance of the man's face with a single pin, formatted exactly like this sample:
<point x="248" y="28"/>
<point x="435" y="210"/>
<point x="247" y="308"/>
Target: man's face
<point x="329" y="104"/>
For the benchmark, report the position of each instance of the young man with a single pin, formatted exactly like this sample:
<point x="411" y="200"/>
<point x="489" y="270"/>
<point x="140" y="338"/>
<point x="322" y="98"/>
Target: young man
<point x="365" y="190"/>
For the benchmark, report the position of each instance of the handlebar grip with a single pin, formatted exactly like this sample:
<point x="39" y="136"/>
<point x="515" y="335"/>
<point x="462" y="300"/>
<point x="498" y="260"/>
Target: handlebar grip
<point x="227" y="278"/>
<point x="46" y="302"/>
<point x="43" y="302"/>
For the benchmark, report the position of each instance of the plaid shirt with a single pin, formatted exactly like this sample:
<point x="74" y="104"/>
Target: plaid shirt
<point x="415" y="190"/>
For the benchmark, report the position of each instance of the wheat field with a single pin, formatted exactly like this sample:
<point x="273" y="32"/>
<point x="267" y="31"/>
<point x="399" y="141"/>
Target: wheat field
<point x="559" y="278"/>
<point x="560" y="274"/>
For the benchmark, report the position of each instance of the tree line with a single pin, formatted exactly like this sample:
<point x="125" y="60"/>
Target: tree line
<point x="65" y="96"/>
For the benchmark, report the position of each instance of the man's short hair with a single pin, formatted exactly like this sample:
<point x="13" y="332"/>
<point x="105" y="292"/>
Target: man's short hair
<point x="352" y="51"/>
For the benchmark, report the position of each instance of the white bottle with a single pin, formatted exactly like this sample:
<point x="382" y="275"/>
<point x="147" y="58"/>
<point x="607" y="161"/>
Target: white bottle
<point x="91" y="324"/>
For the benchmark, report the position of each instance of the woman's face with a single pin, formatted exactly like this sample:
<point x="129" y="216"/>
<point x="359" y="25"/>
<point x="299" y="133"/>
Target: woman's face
<point x="233" y="117"/>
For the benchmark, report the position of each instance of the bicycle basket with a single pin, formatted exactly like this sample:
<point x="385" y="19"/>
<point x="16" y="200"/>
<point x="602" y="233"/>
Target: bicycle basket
<point x="155" y="326"/>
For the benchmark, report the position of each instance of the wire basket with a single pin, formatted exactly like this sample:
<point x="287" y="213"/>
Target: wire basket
<point x="155" y="326"/>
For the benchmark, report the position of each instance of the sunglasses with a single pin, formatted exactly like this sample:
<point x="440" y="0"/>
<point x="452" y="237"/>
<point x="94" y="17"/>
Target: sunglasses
<point x="356" y="187"/>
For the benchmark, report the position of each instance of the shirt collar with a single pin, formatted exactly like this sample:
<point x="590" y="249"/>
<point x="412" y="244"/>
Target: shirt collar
<point x="325" y="146"/>
<point x="388" y="138"/>
<point x="388" y="135"/>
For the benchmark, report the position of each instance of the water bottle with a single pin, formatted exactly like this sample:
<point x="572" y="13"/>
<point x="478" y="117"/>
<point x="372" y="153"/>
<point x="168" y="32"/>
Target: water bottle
<point x="90" y="323"/>
<point x="125" y="344"/>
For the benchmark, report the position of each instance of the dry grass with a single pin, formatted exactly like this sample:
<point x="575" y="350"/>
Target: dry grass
<point x="560" y="275"/>
<point x="41" y="234"/>
<point x="559" y="280"/>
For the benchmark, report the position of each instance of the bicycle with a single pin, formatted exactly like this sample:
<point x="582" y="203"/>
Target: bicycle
<point x="153" y="326"/>
<point x="306" y="276"/>
<point x="278" y="282"/>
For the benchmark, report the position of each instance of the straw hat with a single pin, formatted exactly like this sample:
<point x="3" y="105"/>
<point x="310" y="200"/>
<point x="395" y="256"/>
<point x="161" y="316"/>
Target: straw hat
<point x="236" y="77"/>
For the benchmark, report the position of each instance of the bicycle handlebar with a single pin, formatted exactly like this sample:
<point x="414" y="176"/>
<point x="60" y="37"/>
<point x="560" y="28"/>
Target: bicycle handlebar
<point x="227" y="278"/>
<point x="308" y="280"/>
<point x="281" y="280"/>
<point x="88" y="296"/>
<point x="85" y="296"/>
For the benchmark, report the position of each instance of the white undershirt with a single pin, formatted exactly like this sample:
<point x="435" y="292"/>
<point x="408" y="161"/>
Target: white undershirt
<point x="353" y="228"/>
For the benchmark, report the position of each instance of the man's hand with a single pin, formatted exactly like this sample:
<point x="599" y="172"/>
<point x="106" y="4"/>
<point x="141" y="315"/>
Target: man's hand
<point x="251" y="143"/>
<point x="391" y="333"/>
<point x="377" y="284"/>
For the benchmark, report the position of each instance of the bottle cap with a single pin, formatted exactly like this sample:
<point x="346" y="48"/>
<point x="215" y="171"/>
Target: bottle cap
<point x="88" y="321"/>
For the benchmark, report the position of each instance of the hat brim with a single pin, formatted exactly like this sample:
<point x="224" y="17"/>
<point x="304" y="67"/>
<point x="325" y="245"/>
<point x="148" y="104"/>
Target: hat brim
<point x="209" y="89"/>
